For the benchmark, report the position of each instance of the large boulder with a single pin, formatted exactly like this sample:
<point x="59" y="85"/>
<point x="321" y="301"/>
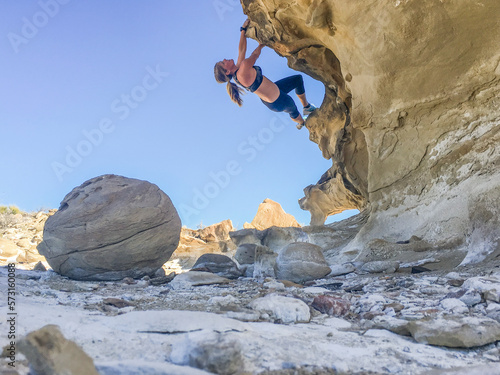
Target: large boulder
<point x="300" y="262"/>
<point x="219" y="264"/>
<point x="109" y="228"/>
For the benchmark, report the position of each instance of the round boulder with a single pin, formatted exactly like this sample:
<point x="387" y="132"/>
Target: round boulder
<point x="300" y="262"/>
<point x="109" y="228"/>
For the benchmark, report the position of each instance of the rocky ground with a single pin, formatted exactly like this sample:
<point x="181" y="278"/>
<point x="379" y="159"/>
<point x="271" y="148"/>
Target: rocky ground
<point x="433" y="322"/>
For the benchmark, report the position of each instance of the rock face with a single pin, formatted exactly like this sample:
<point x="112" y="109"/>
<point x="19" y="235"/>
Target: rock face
<point x="271" y="214"/>
<point x="109" y="228"/>
<point x="410" y="117"/>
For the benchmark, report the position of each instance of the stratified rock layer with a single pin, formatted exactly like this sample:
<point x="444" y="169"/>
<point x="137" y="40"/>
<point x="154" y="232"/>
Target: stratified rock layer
<point x="109" y="228"/>
<point x="410" y="117"/>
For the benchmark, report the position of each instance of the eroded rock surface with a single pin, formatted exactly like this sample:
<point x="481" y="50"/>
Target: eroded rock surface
<point x="410" y="117"/>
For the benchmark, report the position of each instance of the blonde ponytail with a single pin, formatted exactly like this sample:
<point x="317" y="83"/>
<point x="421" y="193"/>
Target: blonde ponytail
<point x="235" y="92"/>
<point x="233" y="89"/>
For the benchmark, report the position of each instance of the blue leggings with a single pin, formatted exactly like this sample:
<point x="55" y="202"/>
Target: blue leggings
<point x="285" y="103"/>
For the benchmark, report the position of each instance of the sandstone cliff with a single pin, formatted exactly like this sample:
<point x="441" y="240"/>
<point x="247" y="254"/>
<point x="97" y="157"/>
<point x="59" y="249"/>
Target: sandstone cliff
<point x="271" y="214"/>
<point x="410" y="117"/>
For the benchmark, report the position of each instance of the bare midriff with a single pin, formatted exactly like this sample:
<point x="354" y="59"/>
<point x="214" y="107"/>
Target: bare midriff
<point x="268" y="91"/>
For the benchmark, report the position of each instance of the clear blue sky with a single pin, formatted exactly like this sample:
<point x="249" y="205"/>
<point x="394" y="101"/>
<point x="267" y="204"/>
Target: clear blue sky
<point x="127" y="87"/>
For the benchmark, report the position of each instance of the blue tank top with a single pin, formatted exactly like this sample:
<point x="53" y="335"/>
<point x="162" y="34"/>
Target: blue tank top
<point x="256" y="84"/>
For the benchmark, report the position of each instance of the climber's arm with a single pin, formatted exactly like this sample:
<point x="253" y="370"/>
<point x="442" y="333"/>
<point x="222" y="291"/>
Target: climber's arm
<point x="254" y="56"/>
<point x="242" y="48"/>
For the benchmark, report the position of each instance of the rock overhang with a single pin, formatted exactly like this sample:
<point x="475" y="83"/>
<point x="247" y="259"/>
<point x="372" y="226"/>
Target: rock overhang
<point x="419" y="81"/>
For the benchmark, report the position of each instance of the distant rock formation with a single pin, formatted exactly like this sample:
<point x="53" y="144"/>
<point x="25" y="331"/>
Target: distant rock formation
<point x="109" y="228"/>
<point x="411" y="114"/>
<point x="271" y="214"/>
<point x="21" y="234"/>
<point x="196" y="242"/>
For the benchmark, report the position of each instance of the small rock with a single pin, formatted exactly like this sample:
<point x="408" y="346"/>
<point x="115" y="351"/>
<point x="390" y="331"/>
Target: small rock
<point x="342" y="269"/>
<point x="274" y="284"/>
<point x="213" y="352"/>
<point x="222" y="301"/>
<point x="129" y="281"/>
<point x="399" y="326"/>
<point x="195" y="278"/>
<point x="380" y="266"/>
<point x="315" y="290"/>
<point x="159" y="273"/>
<point x="471" y="297"/>
<point x="162" y="279"/>
<point x="396" y="306"/>
<point x="456" y="282"/>
<point x="419" y="269"/>
<point x="39" y="267"/>
<point x="454" y="306"/>
<point x="372" y="302"/>
<point x="330" y="305"/>
<point x="492" y="295"/>
<point x="283" y="309"/>
<point x="489" y="286"/>
<point x="244" y="316"/>
<point x="455" y="332"/>
<point x="493" y="311"/>
<point x="117" y="302"/>
<point x="291" y="284"/>
<point x="49" y="353"/>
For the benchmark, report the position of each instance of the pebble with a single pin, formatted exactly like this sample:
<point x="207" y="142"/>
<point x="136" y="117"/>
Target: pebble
<point x="330" y="305"/>
<point x="454" y="306"/>
<point x="380" y="266"/>
<point x="283" y="309"/>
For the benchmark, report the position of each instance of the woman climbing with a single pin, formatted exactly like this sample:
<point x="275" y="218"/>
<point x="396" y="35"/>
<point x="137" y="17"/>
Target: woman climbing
<point x="273" y="94"/>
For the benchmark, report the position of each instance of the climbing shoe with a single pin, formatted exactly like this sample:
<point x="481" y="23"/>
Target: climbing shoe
<point x="300" y="126"/>
<point x="308" y="109"/>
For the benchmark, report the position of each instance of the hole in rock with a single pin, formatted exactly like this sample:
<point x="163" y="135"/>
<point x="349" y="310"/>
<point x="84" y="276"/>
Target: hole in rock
<point x="342" y="216"/>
